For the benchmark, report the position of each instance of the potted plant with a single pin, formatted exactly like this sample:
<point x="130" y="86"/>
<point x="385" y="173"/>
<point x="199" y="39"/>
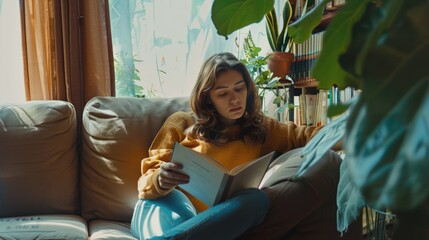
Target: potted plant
<point x="280" y="59"/>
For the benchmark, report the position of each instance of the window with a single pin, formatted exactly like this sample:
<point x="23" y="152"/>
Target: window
<point x="11" y="62"/>
<point x="159" y="46"/>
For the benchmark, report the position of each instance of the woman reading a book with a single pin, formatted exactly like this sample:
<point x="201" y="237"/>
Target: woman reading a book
<point x="226" y="124"/>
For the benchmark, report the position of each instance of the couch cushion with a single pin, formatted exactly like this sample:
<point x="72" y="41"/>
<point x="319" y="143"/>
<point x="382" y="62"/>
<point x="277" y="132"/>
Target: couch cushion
<point x="109" y="230"/>
<point x="283" y="168"/>
<point x="117" y="133"/>
<point x="42" y="227"/>
<point x="38" y="159"/>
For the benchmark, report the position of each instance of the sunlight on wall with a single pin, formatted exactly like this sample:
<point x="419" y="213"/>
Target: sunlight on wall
<point x="11" y="63"/>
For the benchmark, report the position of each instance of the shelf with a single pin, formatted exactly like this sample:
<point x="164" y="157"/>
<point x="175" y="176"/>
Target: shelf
<point x="303" y="83"/>
<point x="325" y="21"/>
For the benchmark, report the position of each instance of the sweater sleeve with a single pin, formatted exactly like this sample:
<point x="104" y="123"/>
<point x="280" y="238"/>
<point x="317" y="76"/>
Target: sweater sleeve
<point x="283" y="137"/>
<point x="172" y="131"/>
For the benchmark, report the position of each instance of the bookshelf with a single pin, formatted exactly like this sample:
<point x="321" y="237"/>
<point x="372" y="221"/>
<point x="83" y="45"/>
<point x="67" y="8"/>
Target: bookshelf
<point x="306" y="53"/>
<point x="311" y="103"/>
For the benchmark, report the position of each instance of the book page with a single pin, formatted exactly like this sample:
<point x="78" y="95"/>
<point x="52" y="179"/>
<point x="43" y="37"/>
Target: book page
<point x="206" y="177"/>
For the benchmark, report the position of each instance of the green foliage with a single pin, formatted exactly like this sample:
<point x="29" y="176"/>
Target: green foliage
<point x="256" y="64"/>
<point x="231" y="15"/>
<point x="301" y="29"/>
<point x="127" y="77"/>
<point x="262" y="77"/>
<point x="278" y="38"/>
<point x="336" y="110"/>
<point x="337" y="39"/>
<point x="383" y="49"/>
<point x="389" y="125"/>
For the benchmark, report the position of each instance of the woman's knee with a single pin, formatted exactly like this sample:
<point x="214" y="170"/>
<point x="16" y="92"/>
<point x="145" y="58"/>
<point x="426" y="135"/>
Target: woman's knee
<point x="154" y="217"/>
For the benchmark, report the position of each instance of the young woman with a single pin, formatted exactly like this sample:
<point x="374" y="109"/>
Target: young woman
<point x="226" y="123"/>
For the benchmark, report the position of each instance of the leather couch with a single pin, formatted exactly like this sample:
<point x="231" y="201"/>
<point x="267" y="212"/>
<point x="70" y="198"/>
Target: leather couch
<point x="58" y="182"/>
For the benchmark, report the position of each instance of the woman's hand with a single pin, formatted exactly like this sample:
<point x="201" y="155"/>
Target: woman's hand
<point x="170" y="175"/>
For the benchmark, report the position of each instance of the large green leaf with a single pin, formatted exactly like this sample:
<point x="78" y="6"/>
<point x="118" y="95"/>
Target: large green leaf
<point x="283" y="39"/>
<point x="390" y="165"/>
<point x="321" y="143"/>
<point x="349" y="199"/>
<point x="387" y="132"/>
<point x="272" y="29"/>
<point x="231" y="15"/>
<point x="327" y="69"/>
<point x="302" y="29"/>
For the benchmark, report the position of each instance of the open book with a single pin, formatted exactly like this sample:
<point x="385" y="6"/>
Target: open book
<point x="210" y="182"/>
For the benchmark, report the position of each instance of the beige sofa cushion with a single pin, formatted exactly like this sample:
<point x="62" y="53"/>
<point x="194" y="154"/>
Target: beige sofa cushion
<point x="43" y="227"/>
<point x="117" y="133"/>
<point x="38" y="159"/>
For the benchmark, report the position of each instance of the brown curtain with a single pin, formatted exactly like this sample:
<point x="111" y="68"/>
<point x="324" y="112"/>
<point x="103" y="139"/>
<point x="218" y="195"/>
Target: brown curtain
<point x="67" y="50"/>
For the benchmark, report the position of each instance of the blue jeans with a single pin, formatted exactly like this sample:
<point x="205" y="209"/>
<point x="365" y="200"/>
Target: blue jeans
<point x="174" y="217"/>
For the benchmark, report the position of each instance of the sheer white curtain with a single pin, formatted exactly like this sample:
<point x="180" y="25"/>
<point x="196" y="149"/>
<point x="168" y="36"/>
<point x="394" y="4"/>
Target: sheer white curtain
<point x="166" y="42"/>
<point x="11" y="63"/>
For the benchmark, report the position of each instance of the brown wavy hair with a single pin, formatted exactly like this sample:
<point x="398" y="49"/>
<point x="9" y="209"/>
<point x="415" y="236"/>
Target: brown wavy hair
<point x="208" y="125"/>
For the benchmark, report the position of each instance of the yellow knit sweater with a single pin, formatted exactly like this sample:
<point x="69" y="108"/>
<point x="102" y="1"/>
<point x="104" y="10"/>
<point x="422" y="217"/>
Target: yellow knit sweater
<point x="281" y="138"/>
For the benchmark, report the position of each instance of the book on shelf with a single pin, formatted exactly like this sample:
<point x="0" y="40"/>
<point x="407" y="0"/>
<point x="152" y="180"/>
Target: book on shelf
<point x="306" y="55"/>
<point x="310" y="109"/>
<point x="297" y="110"/>
<point x="310" y="103"/>
<point x="210" y="182"/>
